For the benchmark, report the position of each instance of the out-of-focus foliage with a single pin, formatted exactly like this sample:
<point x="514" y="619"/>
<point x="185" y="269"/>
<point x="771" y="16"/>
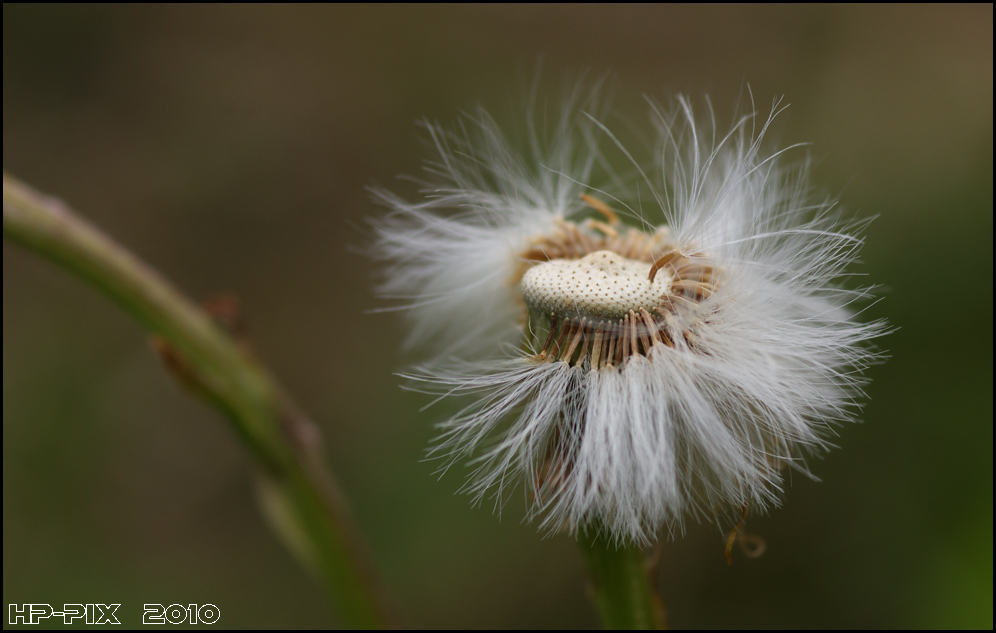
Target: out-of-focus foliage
<point x="230" y="147"/>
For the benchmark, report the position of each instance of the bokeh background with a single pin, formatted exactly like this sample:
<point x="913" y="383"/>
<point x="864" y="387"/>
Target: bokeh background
<point x="231" y="146"/>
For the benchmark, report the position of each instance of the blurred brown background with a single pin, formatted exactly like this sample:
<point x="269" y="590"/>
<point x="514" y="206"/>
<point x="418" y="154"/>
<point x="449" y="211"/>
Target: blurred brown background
<point x="230" y="147"/>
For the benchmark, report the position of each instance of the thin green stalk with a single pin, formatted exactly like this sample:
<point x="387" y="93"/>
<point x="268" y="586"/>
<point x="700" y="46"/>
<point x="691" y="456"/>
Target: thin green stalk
<point x="621" y="584"/>
<point x="299" y="492"/>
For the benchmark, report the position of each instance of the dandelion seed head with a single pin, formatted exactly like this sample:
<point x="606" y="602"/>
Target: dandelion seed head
<point x="631" y="376"/>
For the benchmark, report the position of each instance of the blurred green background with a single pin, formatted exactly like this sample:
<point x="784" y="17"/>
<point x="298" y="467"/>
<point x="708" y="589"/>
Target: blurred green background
<point x="230" y="147"/>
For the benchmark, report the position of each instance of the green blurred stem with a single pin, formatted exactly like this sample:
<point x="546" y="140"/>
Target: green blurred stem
<point x="622" y="586"/>
<point x="300" y="493"/>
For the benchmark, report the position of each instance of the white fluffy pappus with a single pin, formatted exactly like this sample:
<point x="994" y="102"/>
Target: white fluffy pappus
<point x="628" y="376"/>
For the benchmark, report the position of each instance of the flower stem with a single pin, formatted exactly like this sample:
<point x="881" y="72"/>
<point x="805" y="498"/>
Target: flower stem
<point x="622" y="587"/>
<point x="299" y="493"/>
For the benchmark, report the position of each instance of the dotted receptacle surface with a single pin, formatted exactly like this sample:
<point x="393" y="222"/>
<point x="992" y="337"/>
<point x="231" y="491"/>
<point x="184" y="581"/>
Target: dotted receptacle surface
<point x="601" y="285"/>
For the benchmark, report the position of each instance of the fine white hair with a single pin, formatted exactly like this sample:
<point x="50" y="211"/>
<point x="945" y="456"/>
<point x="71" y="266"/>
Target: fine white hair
<point x="750" y="381"/>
